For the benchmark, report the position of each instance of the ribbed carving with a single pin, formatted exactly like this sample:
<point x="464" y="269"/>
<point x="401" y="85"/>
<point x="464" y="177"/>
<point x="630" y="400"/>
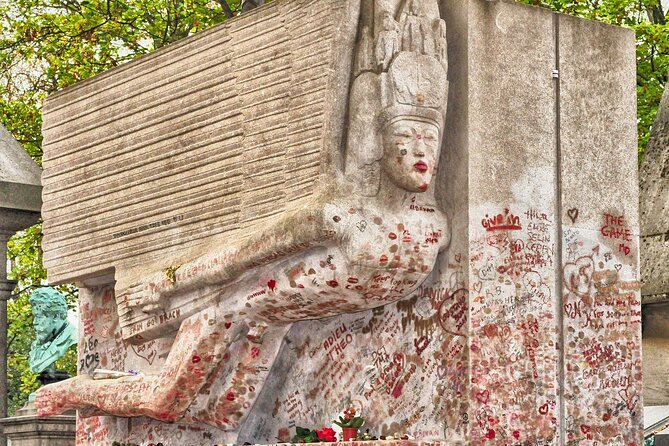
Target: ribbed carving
<point x="216" y="133"/>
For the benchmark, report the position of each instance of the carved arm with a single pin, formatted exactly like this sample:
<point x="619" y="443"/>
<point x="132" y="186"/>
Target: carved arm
<point x="290" y="235"/>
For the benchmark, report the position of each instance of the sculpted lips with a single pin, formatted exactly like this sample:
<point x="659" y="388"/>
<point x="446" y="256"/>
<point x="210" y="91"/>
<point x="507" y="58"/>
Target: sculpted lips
<point x="420" y="166"/>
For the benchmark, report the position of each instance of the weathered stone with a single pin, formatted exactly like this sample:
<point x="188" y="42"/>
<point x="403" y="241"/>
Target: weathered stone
<point x="31" y="430"/>
<point x="478" y="328"/>
<point x="655" y="348"/>
<point x="20" y="188"/>
<point x="654" y="207"/>
<point x="203" y="142"/>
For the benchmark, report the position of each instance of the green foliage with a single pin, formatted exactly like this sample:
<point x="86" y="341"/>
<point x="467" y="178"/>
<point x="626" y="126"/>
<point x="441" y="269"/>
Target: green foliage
<point x="353" y="422"/>
<point x="304" y="435"/>
<point x="46" y="45"/>
<point x="25" y="255"/>
<point x="651" y="25"/>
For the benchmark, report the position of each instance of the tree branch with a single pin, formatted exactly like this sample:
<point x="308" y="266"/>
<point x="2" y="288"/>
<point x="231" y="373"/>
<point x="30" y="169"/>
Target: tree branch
<point x="226" y="8"/>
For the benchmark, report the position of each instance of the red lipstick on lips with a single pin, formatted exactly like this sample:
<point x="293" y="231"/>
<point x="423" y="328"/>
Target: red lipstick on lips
<point x="420" y="166"/>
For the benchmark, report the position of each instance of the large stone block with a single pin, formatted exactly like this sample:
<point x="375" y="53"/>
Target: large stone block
<point x="654" y="206"/>
<point x="654" y="183"/>
<point x="201" y="142"/>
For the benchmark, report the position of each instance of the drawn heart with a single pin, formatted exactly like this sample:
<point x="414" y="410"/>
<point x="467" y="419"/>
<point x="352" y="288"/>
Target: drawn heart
<point x="543" y="410"/>
<point x="483" y="396"/>
<point x="271" y="284"/>
<point x="618" y="267"/>
<point x="585" y="429"/>
<point x="629" y="400"/>
<point x="477" y="286"/>
<point x="578" y="275"/>
<point x="228" y="325"/>
<point x="441" y="372"/>
<point x="573" y="214"/>
<point x="458" y="257"/>
<point x="148" y="354"/>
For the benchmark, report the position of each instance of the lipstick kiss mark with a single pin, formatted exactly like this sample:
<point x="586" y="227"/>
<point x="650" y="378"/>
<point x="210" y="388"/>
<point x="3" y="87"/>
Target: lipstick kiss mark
<point x="483" y="396"/>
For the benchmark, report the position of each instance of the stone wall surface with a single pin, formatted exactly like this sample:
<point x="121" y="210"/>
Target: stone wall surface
<point x="600" y="234"/>
<point x="654" y="184"/>
<point x="525" y="330"/>
<point x="654" y="208"/>
<point x="655" y="348"/>
<point x="512" y="225"/>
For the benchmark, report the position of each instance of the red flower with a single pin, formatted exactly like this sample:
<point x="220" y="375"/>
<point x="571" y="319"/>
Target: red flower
<point x="327" y="434"/>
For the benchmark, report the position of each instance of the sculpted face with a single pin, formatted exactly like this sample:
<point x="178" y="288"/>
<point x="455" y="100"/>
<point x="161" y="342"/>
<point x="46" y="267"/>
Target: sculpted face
<point x="46" y="327"/>
<point x="410" y="152"/>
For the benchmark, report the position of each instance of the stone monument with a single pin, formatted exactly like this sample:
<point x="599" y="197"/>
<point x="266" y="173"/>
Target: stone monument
<point x="393" y="205"/>
<point x="654" y="206"/>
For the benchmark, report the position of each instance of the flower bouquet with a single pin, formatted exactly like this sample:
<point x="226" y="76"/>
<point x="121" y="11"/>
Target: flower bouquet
<point x="304" y="435"/>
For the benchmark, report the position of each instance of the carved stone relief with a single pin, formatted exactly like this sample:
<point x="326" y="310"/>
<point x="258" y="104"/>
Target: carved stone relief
<point x="231" y="305"/>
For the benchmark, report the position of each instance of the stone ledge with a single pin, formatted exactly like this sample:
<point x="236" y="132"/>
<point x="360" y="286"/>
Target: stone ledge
<point x="367" y="443"/>
<point x="655" y="298"/>
<point x="31" y="430"/>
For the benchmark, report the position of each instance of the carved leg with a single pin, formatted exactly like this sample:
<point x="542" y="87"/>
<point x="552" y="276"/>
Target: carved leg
<point x="199" y="348"/>
<point x="237" y="386"/>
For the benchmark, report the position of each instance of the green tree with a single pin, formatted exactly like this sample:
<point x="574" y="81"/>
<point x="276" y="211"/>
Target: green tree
<point x="26" y="257"/>
<point x="46" y="45"/>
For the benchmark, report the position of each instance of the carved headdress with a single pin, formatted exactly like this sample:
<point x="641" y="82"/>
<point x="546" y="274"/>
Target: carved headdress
<point x="400" y="70"/>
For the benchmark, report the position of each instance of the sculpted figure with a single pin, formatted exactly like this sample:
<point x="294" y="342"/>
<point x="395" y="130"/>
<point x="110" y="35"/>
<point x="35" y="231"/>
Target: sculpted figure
<point x="372" y="240"/>
<point x="412" y="36"/>
<point x="363" y="56"/>
<point x="440" y="40"/>
<point x="388" y="43"/>
<point x="54" y="333"/>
